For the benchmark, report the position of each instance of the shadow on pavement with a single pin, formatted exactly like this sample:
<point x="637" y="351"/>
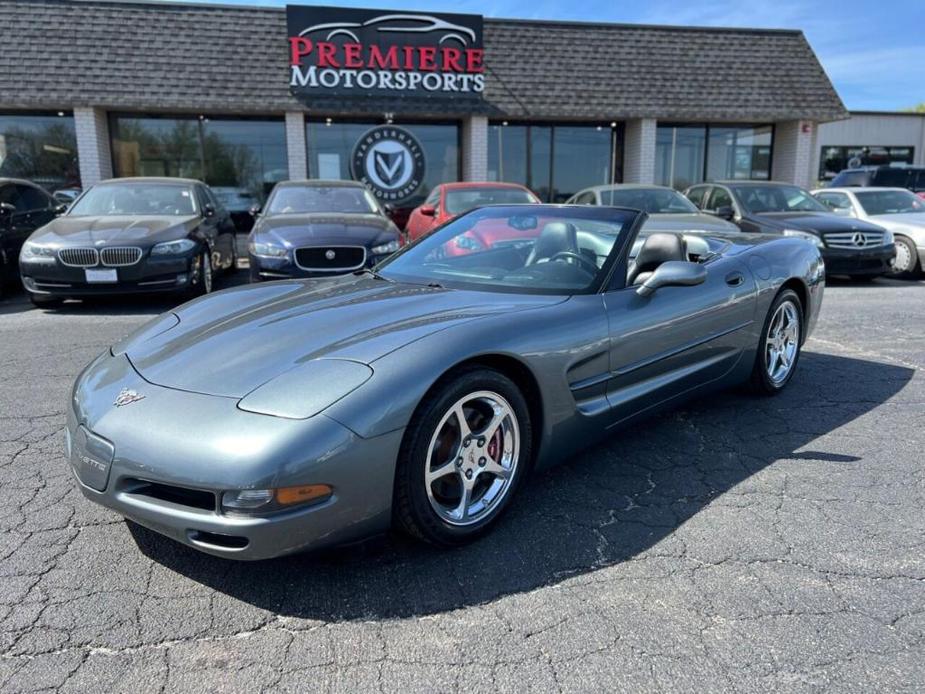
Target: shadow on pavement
<point x="605" y="506"/>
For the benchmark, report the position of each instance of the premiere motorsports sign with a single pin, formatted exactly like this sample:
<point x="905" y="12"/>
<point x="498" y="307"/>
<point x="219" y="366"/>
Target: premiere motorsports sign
<point x="338" y="52"/>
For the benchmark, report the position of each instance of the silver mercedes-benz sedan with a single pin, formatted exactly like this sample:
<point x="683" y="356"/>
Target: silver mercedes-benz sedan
<point x="285" y="416"/>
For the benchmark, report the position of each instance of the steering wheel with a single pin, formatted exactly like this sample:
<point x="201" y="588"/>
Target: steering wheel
<point x="579" y="257"/>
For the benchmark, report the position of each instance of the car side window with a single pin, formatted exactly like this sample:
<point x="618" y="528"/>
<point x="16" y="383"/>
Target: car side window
<point x="433" y="197"/>
<point x="32" y="199"/>
<point x="202" y="199"/>
<point x="919" y="184"/>
<point x="586" y="198"/>
<point x="696" y="196"/>
<point x="10" y="196"/>
<point x="839" y="203"/>
<point x="892" y="178"/>
<point x="720" y="197"/>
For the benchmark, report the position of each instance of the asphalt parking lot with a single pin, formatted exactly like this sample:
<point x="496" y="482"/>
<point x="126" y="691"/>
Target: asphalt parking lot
<point x="737" y="544"/>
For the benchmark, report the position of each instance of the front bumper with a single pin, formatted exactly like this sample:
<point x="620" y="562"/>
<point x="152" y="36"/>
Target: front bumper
<point x="875" y="261"/>
<point x="174" y="274"/>
<point x="197" y="446"/>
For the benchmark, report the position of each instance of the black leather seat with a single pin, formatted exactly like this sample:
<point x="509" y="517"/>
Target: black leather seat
<point x="657" y="249"/>
<point x="556" y="237"/>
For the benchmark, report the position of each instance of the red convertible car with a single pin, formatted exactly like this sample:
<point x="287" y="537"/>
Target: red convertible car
<point x="449" y="200"/>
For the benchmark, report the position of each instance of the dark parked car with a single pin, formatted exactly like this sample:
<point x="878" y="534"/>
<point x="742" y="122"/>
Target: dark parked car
<point x="130" y="235"/>
<point x="24" y="207"/>
<point x="908" y="177"/>
<point x="319" y="229"/>
<point x="849" y="246"/>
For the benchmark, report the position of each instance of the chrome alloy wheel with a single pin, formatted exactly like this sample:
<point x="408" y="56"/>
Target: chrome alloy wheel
<point x="206" y="271"/>
<point x="782" y="342"/>
<point x="472" y="458"/>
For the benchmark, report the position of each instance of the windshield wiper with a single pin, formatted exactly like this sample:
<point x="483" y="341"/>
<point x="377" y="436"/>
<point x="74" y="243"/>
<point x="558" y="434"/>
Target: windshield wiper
<point x="372" y="273"/>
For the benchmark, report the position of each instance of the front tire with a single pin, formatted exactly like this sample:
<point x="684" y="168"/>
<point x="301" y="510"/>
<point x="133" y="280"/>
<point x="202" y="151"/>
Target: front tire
<point x="202" y="283"/>
<point x="906" y="262"/>
<point x="465" y="452"/>
<point x="779" y="346"/>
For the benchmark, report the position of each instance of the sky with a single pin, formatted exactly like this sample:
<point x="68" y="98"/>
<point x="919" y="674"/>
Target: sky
<point x="873" y="51"/>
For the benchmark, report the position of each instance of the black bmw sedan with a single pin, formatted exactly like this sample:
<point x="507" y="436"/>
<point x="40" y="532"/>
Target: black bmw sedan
<point x="130" y="235"/>
<point x="319" y="229"/>
<point x="848" y="246"/>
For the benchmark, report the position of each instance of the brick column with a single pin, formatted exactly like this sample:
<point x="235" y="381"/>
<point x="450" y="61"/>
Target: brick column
<point x="639" y="151"/>
<point x="475" y="148"/>
<point x="296" y="146"/>
<point x="792" y="158"/>
<point x="93" y="151"/>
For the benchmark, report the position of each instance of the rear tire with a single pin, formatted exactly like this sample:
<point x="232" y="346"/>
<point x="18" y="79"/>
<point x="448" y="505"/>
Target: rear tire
<point x="453" y="482"/>
<point x="779" y="346"/>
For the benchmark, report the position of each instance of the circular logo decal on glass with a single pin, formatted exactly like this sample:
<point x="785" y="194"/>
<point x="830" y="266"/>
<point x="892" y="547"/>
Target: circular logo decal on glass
<point x="390" y="161"/>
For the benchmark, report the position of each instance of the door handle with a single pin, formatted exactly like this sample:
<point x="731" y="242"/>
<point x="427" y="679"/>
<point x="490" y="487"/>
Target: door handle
<point x="734" y="279"/>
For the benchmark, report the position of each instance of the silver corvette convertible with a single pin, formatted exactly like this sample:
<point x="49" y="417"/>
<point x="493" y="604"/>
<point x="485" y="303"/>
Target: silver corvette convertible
<point x="275" y="418"/>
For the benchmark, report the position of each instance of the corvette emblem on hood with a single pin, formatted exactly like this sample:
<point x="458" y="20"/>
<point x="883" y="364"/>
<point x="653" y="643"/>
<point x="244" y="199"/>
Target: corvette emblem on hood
<point x="127" y="397"/>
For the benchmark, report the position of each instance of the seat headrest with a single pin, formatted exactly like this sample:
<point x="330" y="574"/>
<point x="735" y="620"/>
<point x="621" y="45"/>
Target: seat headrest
<point x="555" y="238"/>
<point x="657" y="249"/>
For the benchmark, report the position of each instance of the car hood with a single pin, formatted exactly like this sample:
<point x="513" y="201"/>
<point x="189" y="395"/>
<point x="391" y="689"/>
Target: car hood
<point x="816" y="222"/>
<point x="293" y="230"/>
<point x="232" y="342"/>
<point x="113" y="229"/>
<point x="687" y="222"/>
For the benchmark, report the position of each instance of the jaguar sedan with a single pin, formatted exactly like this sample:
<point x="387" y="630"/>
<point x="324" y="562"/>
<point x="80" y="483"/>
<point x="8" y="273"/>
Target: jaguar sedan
<point x="130" y="235"/>
<point x="319" y="229"/>
<point x="284" y="416"/>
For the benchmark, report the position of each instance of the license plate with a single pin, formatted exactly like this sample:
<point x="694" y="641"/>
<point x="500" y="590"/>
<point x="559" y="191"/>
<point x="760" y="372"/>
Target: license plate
<point x="102" y="275"/>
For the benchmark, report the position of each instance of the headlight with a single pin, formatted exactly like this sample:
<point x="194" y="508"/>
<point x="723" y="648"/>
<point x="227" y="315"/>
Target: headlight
<point x="384" y="248"/>
<point x="806" y="236"/>
<point x="267" y="250"/>
<point x="259" y="501"/>
<point x="174" y="247"/>
<point x="32" y="251"/>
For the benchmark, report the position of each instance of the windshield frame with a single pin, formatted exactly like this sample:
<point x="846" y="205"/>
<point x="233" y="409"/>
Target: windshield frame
<point x="367" y="196"/>
<point x="128" y="182"/>
<point x="616" y="259"/>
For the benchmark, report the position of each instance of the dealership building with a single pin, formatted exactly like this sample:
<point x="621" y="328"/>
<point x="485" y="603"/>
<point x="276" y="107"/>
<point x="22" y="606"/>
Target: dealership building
<point x="242" y="97"/>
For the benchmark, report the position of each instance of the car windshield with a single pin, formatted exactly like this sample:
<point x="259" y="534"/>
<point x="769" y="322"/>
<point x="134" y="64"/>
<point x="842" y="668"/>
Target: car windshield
<point x="527" y="249"/>
<point x="651" y="200"/>
<point x="136" y="199"/>
<point x="877" y="202"/>
<point x="321" y="199"/>
<point x="459" y="200"/>
<point x="758" y="199"/>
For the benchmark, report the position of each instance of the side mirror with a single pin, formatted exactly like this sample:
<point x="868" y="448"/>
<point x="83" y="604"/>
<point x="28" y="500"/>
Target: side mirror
<point x="388" y="207"/>
<point x="725" y="212"/>
<point x="208" y="211"/>
<point x="6" y="209"/>
<point x="254" y="210"/>
<point x="673" y="273"/>
<point x="61" y="208"/>
<point x="428" y="210"/>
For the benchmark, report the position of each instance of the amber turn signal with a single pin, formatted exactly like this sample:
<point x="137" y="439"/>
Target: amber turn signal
<point x="299" y="495"/>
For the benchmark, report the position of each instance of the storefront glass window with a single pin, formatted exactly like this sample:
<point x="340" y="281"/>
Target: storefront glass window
<point x="331" y="143"/>
<point x="679" y="155"/>
<point x="41" y="148"/>
<point x="739" y="153"/>
<point x="240" y="158"/>
<point x="554" y="161"/>
<point x="688" y="154"/>
<point x="833" y="159"/>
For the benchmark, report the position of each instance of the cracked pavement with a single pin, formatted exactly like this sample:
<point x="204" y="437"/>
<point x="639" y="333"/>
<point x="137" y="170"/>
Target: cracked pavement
<point x="737" y="544"/>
